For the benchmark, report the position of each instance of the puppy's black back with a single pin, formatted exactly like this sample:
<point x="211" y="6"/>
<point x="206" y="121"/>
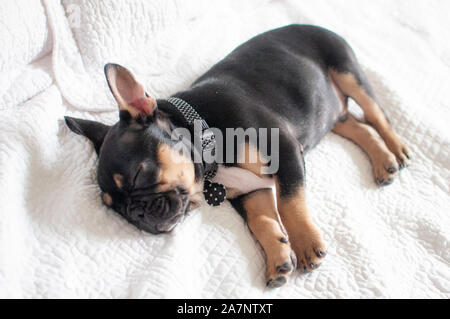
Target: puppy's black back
<point x="277" y="79"/>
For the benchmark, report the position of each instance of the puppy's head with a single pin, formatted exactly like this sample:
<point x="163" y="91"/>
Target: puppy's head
<point x="140" y="174"/>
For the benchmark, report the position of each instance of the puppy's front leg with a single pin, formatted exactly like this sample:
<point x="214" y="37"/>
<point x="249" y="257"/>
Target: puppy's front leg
<point x="304" y="237"/>
<point x="263" y="221"/>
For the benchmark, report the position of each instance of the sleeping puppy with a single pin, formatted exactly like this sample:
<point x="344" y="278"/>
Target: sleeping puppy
<point x="293" y="81"/>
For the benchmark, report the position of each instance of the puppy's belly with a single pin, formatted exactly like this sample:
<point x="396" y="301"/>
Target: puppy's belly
<point x="239" y="181"/>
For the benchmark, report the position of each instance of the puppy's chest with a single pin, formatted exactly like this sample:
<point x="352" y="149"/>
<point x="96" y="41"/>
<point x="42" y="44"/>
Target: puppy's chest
<point x="239" y="181"/>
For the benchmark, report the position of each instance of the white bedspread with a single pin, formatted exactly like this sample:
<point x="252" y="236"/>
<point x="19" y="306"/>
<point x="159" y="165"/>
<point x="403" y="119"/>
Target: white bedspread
<point x="58" y="240"/>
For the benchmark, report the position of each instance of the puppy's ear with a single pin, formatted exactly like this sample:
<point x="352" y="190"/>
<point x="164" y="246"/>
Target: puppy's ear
<point x="94" y="131"/>
<point x="129" y="94"/>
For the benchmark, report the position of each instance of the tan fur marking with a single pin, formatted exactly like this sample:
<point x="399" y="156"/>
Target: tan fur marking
<point x="107" y="199"/>
<point x="383" y="161"/>
<point x="373" y="114"/>
<point x="262" y="218"/>
<point x="304" y="237"/>
<point x="251" y="160"/>
<point x="175" y="169"/>
<point x="118" y="179"/>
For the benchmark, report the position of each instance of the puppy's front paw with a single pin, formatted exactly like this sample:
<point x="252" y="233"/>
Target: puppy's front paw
<point x="281" y="262"/>
<point x="384" y="167"/>
<point x="308" y="247"/>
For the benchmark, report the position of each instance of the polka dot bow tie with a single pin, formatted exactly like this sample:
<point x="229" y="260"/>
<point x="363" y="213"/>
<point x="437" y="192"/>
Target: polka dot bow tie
<point x="215" y="193"/>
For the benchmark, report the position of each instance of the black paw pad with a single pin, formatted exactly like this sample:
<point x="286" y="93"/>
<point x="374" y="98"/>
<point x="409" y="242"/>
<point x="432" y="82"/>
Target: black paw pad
<point x="385" y="181"/>
<point x="275" y="283"/>
<point x="392" y="169"/>
<point x="286" y="267"/>
<point x="320" y="253"/>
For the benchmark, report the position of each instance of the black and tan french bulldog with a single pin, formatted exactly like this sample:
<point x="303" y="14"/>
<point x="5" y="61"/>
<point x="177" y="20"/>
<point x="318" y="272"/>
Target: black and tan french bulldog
<point x="298" y="79"/>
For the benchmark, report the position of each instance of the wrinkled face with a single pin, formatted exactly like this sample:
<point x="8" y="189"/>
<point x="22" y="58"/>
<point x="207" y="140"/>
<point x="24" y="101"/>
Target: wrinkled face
<point x="141" y="175"/>
<point x="143" y="178"/>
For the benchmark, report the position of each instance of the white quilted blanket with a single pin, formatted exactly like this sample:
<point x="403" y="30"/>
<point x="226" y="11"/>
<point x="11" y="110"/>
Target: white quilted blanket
<point x="58" y="240"/>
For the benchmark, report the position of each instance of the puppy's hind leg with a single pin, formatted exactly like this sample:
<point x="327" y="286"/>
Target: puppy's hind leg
<point x="353" y="82"/>
<point x="383" y="161"/>
<point x="346" y="73"/>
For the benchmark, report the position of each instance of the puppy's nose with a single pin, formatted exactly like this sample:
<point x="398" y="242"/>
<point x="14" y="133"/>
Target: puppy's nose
<point x="160" y="206"/>
<point x="137" y="213"/>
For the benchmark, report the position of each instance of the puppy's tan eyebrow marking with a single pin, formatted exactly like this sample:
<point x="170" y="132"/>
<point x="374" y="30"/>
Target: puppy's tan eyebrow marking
<point x="107" y="199"/>
<point x="176" y="169"/>
<point x="118" y="179"/>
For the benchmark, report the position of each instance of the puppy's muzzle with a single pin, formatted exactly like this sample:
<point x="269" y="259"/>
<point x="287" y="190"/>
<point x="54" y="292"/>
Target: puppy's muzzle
<point x="158" y="213"/>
